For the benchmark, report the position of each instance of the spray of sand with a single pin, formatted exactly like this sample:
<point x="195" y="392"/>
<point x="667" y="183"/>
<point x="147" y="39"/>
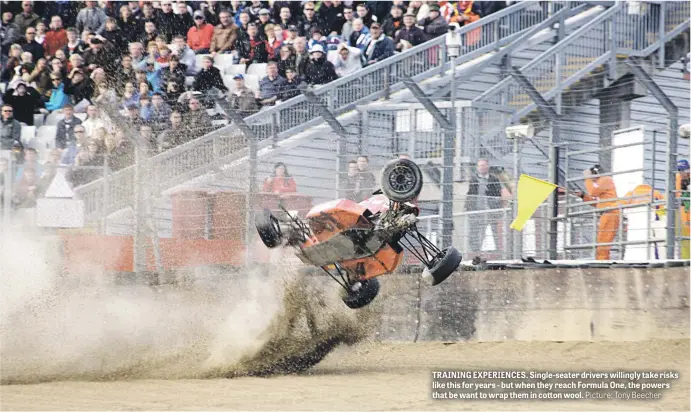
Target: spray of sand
<point x="260" y="321"/>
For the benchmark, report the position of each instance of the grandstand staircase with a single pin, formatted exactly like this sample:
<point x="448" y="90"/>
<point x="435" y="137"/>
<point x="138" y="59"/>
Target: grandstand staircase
<point x="295" y="133"/>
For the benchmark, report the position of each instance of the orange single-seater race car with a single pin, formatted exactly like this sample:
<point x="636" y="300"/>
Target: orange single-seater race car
<point x="356" y="242"/>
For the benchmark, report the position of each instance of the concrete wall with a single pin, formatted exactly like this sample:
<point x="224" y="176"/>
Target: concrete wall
<point x="544" y="305"/>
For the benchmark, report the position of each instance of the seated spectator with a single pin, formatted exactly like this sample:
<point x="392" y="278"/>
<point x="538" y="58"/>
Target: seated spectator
<point x="211" y="11"/>
<point x="119" y="150"/>
<point x="394" y="22"/>
<point x="144" y="90"/>
<point x="252" y="48"/>
<point x="379" y="47"/>
<point x="25" y="101"/>
<point x="285" y="15"/>
<point x="91" y="155"/>
<point x="30" y="162"/>
<point x="243" y="22"/>
<point x="209" y="77"/>
<point x="10" y="32"/>
<point x="286" y="60"/>
<point x="175" y="135"/>
<point x="291" y="36"/>
<point x="56" y="38"/>
<point x="196" y="120"/>
<point x="130" y="96"/>
<point x="363" y="13"/>
<point x="128" y="24"/>
<point x="10" y="130"/>
<point x="156" y="113"/>
<point x="262" y="21"/>
<point x="331" y="16"/>
<point x="98" y="76"/>
<point x="271" y="87"/>
<point x="66" y="132"/>
<point x="435" y="25"/>
<point x="40" y="33"/>
<point x="410" y="35"/>
<point x="466" y="13"/>
<point x="186" y="56"/>
<point x="225" y="35"/>
<point x="150" y="33"/>
<point x="147" y="141"/>
<point x="281" y="181"/>
<point x="348" y="60"/>
<point x="183" y="19"/>
<point x="31" y="45"/>
<point x="136" y="54"/>
<point x="316" y="38"/>
<point x="40" y="75"/>
<point x="153" y="74"/>
<point x="302" y="56"/>
<point x="80" y="88"/>
<point x="58" y="97"/>
<point x="100" y="54"/>
<point x="273" y="43"/>
<point x="358" y="38"/>
<point x="115" y="36"/>
<point x="347" y="30"/>
<point x="105" y="95"/>
<point x="243" y="99"/>
<point x="199" y="36"/>
<point x="319" y="70"/>
<point x="93" y="120"/>
<point x="308" y="21"/>
<point x="74" y="44"/>
<point x="91" y="18"/>
<point x="293" y="82"/>
<point x="28" y="189"/>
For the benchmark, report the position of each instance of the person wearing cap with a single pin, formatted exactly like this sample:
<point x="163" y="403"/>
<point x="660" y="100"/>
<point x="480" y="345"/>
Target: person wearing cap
<point x="434" y="25"/>
<point x="410" y="35"/>
<point x="308" y="20"/>
<point x="319" y="70"/>
<point x="262" y="21"/>
<point x="379" y="46"/>
<point x="199" y="36"/>
<point x="243" y="98"/>
<point x="252" y="48"/>
<point x="225" y="35"/>
<point x="684" y="218"/>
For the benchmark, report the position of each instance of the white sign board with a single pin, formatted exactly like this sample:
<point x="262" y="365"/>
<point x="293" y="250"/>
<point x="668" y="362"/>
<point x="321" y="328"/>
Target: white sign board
<point x="628" y="158"/>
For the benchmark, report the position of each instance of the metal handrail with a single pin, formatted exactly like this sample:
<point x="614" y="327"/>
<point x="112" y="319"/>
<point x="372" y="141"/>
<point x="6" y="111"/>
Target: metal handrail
<point x="419" y="56"/>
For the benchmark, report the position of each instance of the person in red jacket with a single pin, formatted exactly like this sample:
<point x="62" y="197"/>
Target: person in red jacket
<point x="281" y="182"/>
<point x="56" y="38"/>
<point x="199" y="36"/>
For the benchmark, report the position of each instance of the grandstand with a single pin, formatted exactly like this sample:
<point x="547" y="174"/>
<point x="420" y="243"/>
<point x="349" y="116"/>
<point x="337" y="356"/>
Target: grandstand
<point x="577" y="56"/>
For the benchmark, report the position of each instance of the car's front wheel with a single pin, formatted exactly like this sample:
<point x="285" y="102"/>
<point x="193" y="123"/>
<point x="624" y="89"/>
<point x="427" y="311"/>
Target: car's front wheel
<point x="268" y="228"/>
<point x="361" y="294"/>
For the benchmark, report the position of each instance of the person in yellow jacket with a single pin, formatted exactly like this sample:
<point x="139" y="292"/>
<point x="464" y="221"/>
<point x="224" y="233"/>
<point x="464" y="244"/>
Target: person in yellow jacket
<point x="644" y="224"/>
<point x="602" y="189"/>
<point x="682" y="187"/>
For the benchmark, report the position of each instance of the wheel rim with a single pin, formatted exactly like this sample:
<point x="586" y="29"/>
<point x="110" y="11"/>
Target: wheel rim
<point x="402" y="179"/>
<point x="276" y="226"/>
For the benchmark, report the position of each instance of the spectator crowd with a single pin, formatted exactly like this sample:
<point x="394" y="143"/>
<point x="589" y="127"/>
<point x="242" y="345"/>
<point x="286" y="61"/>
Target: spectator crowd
<point x="161" y="64"/>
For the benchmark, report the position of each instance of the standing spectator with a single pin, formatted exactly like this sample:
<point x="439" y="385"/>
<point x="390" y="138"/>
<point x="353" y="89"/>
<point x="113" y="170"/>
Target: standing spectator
<point x="9" y="33"/>
<point x="380" y="46"/>
<point x="434" y="25"/>
<point x="367" y="183"/>
<point x="286" y="60"/>
<point x="364" y="14"/>
<point x="302" y="57"/>
<point x="252" y="49"/>
<point x="308" y="21"/>
<point x="359" y="35"/>
<point x="25" y="101"/>
<point x="347" y="30"/>
<point x="187" y="56"/>
<point x="30" y="45"/>
<point x="66" y="130"/>
<point x="319" y="70"/>
<point x="225" y="35"/>
<point x="410" y="35"/>
<point x="484" y="193"/>
<point x="348" y="60"/>
<point x="199" y="36"/>
<point x="281" y="181"/>
<point x="271" y="87"/>
<point x="91" y="18"/>
<point x="165" y="20"/>
<point x="58" y="98"/>
<point x="10" y="130"/>
<point x="331" y="15"/>
<point x="394" y="22"/>
<point x="27" y="18"/>
<point x="56" y="38"/>
<point x="243" y="99"/>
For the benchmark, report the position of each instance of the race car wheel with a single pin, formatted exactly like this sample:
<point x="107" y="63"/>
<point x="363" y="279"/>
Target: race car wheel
<point x="361" y="293"/>
<point x="401" y="180"/>
<point x="268" y="228"/>
<point x="443" y="266"/>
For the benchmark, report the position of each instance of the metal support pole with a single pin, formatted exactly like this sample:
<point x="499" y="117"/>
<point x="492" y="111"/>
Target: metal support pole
<point x="517" y="236"/>
<point x="7" y="198"/>
<point x="139" y="254"/>
<point x="104" y="208"/>
<point x="661" y="35"/>
<point x="672" y="110"/>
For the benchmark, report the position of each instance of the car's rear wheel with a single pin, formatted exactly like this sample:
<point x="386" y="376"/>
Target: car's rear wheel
<point x="268" y="228"/>
<point x="361" y="293"/>
<point x="401" y="180"/>
<point x="443" y="266"/>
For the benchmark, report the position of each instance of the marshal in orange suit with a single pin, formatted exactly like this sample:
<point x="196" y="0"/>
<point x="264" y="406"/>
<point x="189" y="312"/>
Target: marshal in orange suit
<point x="601" y="188"/>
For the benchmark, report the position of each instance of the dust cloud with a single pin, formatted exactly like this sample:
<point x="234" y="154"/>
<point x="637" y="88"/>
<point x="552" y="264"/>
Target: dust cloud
<point x="266" y="320"/>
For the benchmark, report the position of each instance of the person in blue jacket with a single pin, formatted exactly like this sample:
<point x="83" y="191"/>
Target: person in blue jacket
<point x="58" y="98"/>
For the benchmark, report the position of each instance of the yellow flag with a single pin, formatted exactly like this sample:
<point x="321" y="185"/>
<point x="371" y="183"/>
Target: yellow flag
<point x="531" y="193"/>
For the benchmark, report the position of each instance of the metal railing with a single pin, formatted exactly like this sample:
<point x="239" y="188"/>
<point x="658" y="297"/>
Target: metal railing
<point x="286" y="119"/>
<point x="592" y="47"/>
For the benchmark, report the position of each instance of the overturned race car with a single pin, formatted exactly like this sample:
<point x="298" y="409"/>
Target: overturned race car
<point x="356" y="242"/>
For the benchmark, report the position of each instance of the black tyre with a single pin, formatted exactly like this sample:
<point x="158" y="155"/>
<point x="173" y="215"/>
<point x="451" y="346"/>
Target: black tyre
<point x="268" y="228"/>
<point x="444" y="266"/>
<point x="401" y="180"/>
<point x="362" y="293"/>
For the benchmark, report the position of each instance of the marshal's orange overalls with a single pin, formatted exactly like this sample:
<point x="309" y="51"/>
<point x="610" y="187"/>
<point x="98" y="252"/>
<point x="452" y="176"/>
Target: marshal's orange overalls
<point x="602" y="188"/>
<point x="683" y="221"/>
